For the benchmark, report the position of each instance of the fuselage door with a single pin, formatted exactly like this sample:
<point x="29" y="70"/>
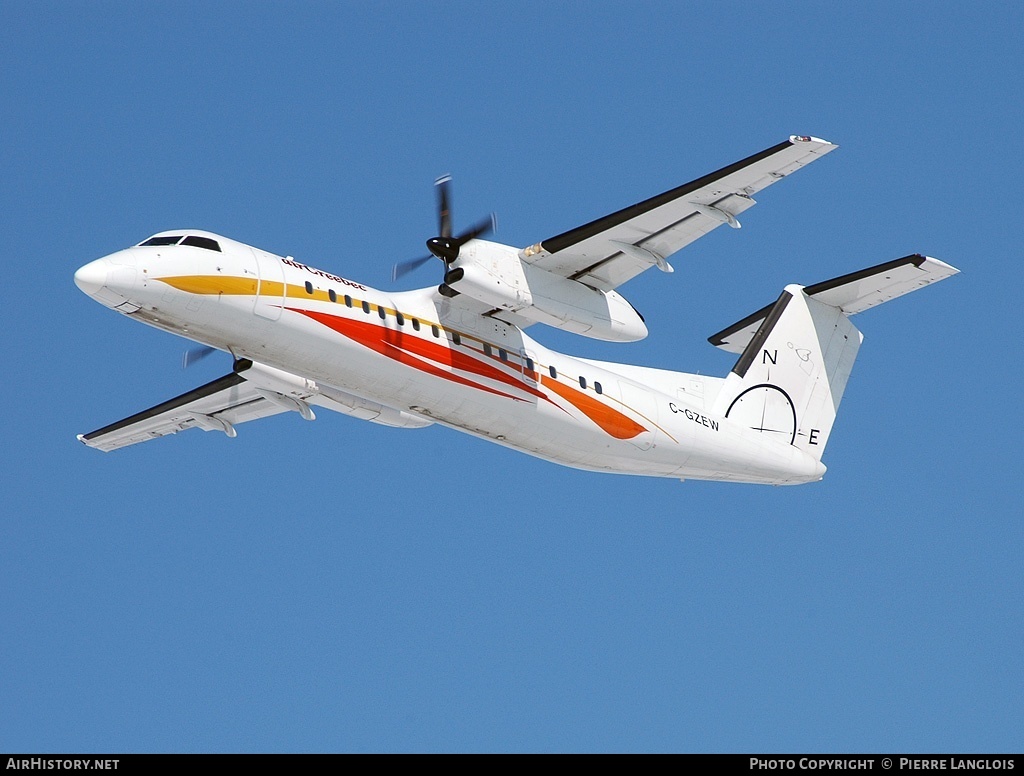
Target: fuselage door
<point x="529" y="367"/>
<point x="271" y="291"/>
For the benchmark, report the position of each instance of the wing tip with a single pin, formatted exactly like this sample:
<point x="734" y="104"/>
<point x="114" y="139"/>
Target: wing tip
<point x="947" y="270"/>
<point x="794" y="139"/>
<point x="84" y="439"/>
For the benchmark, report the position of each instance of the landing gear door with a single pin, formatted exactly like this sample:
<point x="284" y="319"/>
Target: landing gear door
<point x="271" y="291"/>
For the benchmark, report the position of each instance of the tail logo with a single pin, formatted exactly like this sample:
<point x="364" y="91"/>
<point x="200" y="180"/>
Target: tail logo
<point x="765" y="408"/>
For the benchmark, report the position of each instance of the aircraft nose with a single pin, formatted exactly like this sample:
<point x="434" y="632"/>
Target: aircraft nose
<point x="92" y="277"/>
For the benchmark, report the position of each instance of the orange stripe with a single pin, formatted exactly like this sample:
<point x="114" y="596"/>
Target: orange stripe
<point x="611" y="421"/>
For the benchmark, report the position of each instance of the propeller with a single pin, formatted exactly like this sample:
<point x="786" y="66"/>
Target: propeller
<point x="445" y="246"/>
<point x="192" y="355"/>
<point x="405" y="267"/>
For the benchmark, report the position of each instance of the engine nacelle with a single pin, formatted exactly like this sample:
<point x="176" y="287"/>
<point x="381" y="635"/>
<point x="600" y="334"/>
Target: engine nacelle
<point x="495" y="275"/>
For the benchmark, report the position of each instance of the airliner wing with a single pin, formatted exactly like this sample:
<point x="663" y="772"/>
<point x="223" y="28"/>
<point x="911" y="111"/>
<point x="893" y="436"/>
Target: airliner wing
<point x="607" y="252"/>
<point x="216" y="406"/>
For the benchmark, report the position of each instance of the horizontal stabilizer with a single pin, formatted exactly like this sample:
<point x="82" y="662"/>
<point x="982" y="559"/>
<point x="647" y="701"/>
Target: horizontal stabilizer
<point x="852" y="293"/>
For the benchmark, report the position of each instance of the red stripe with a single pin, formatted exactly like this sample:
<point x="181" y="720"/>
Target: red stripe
<point x="369" y="335"/>
<point x="408" y="349"/>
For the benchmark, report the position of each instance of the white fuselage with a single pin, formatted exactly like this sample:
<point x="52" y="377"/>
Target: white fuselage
<point x="431" y="360"/>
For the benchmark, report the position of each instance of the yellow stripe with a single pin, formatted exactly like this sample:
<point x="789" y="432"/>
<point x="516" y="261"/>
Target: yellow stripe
<point x="213" y="284"/>
<point x="241" y="286"/>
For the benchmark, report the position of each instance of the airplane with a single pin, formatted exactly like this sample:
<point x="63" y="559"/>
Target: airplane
<point x="458" y="354"/>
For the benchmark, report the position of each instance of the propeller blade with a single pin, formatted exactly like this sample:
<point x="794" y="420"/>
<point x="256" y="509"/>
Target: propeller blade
<point x="444" y="210"/>
<point x="486" y="226"/>
<point x="193" y="355"/>
<point x="405" y="267"/>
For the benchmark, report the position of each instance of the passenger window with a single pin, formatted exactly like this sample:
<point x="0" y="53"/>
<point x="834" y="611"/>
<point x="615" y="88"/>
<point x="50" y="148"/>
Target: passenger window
<point x="597" y="387"/>
<point x="201" y="242"/>
<point x="583" y="382"/>
<point x="553" y="372"/>
<point x="348" y="301"/>
<point x="366" y="307"/>
<point x="456" y="338"/>
<point x="435" y="331"/>
<point x="416" y="324"/>
<point x="309" y="287"/>
<point x="487" y="349"/>
<point x="529" y="364"/>
<point x="382" y="312"/>
<point x="332" y="295"/>
<point x="503" y="354"/>
<point x="400" y="318"/>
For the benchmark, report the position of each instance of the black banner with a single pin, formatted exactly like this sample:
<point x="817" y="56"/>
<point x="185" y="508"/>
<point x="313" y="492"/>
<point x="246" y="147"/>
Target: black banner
<point x="761" y="763"/>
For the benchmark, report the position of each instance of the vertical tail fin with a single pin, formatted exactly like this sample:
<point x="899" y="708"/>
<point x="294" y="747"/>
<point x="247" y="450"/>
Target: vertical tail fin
<point x="791" y="376"/>
<point x="794" y="367"/>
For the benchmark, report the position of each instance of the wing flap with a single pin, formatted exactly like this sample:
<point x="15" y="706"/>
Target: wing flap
<point x="852" y="293"/>
<point x="218" y="405"/>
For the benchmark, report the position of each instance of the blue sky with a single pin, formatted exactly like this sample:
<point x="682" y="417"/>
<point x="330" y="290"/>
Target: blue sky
<point x="340" y="586"/>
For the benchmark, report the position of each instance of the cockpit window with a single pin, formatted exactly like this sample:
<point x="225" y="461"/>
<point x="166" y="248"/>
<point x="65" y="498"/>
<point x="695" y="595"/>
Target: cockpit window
<point x="193" y="239"/>
<point x="201" y="242"/>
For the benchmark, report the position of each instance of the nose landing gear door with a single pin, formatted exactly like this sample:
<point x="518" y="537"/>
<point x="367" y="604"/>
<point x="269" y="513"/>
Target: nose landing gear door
<point x="271" y="290"/>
